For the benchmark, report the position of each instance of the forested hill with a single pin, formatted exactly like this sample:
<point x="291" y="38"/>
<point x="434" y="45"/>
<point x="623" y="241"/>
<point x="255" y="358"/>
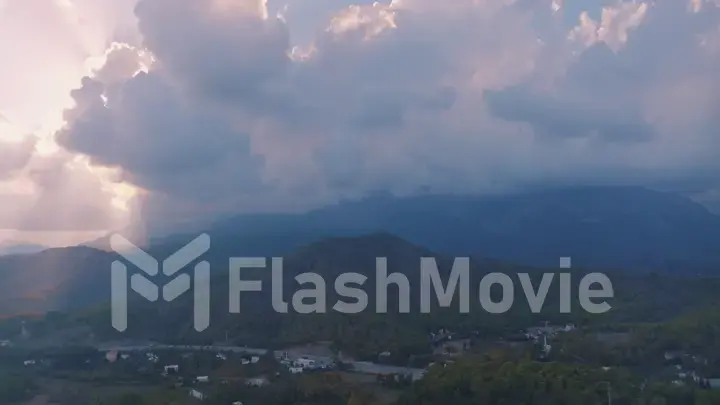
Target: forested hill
<point x="639" y="298"/>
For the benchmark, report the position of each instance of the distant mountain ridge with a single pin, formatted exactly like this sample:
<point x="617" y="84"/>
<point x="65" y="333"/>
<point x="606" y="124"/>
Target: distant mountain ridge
<point x="638" y="297"/>
<point x="605" y="228"/>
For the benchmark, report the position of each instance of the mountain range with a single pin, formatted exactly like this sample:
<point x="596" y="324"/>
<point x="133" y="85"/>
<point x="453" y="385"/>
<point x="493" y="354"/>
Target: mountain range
<point x="599" y="227"/>
<point x="626" y="228"/>
<point x="638" y="298"/>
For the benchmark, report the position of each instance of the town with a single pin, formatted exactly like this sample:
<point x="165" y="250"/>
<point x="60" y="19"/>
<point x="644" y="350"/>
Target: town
<point x="202" y="373"/>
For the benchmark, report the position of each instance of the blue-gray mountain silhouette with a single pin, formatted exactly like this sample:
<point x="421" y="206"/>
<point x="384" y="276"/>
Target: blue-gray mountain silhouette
<point x="606" y="228"/>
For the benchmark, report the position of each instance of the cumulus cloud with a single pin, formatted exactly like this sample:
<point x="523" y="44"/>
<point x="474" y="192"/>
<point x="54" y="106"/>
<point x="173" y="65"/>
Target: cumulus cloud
<point x="597" y="96"/>
<point x="613" y="27"/>
<point x="467" y="96"/>
<point x="159" y="137"/>
<point x="229" y="48"/>
<point x="649" y="84"/>
<point x="45" y="46"/>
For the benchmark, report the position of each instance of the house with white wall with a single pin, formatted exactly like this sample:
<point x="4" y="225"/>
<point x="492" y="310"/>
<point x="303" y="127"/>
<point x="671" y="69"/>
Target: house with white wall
<point x="197" y="394"/>
<point x="305" y="363"/>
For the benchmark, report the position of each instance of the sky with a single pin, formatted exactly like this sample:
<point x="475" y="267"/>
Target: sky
<point x="155" y="114"/>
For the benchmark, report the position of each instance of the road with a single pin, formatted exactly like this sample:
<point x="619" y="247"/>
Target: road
<point x="357" y="366"/>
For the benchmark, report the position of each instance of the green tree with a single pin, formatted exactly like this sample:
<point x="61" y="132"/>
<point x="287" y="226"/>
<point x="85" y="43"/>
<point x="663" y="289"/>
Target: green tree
<point x="130" y="399"/>
<point x="14" y="388"/>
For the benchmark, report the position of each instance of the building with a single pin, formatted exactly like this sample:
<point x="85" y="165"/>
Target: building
<point x="174" y="368"/>
<point x="546" y="348"/>
<point x="203" y="379"/>
<point x="296" y="370"/>
<point x="673" y="356"/>
<point x="714" y="383"/>
<point x="536" y="332"/>
<point x="305" y="363"/>
<point x="419" y="375"/>
<point x="256" y="382"/>
<point x="441" y="336"/>
<point x="197" y="394"/>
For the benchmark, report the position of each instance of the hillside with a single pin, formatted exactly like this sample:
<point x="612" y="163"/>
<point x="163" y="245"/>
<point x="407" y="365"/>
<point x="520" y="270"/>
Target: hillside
<point x="601" y="228"/>
<point x="639" y="298"/>
<point x="54" y="279"/>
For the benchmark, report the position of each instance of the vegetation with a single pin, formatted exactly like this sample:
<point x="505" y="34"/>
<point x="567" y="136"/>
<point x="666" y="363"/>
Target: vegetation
<point x="499" y="381"/>
<point x="130" y="399"/>
<point x="621" y="353"/>
<point x="15" y="387"/>
<point x="316" y="389"/>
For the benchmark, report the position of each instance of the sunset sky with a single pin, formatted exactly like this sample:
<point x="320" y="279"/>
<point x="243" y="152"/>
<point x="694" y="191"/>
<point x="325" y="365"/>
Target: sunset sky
<point x="117" y="113"/>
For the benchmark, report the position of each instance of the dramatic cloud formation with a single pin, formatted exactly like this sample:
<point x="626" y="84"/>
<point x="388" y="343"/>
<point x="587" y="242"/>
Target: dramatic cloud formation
<point x="231" y="105"/>
<point x="47" y="195"/>
<point x="61" y="196"/>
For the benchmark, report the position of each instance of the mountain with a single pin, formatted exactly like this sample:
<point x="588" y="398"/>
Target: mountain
<point x="259" y="325"/>
<point x="54" y="279"/>
<point x="638" y="298"/>
<point x="102" y="243"/>
<point x="603" y="227"/>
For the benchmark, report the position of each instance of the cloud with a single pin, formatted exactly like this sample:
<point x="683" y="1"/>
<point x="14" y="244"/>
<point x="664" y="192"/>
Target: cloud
<point x="466" y="96"/>
<point x="14" y="156"/>
<point x="613" y="27"/>
<point x="157" y="135"/>
<point x="57" y="193"/>
<point x="230" y="48"/>
<point x="635" y="79"/>
<point x="45" y="46"/>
